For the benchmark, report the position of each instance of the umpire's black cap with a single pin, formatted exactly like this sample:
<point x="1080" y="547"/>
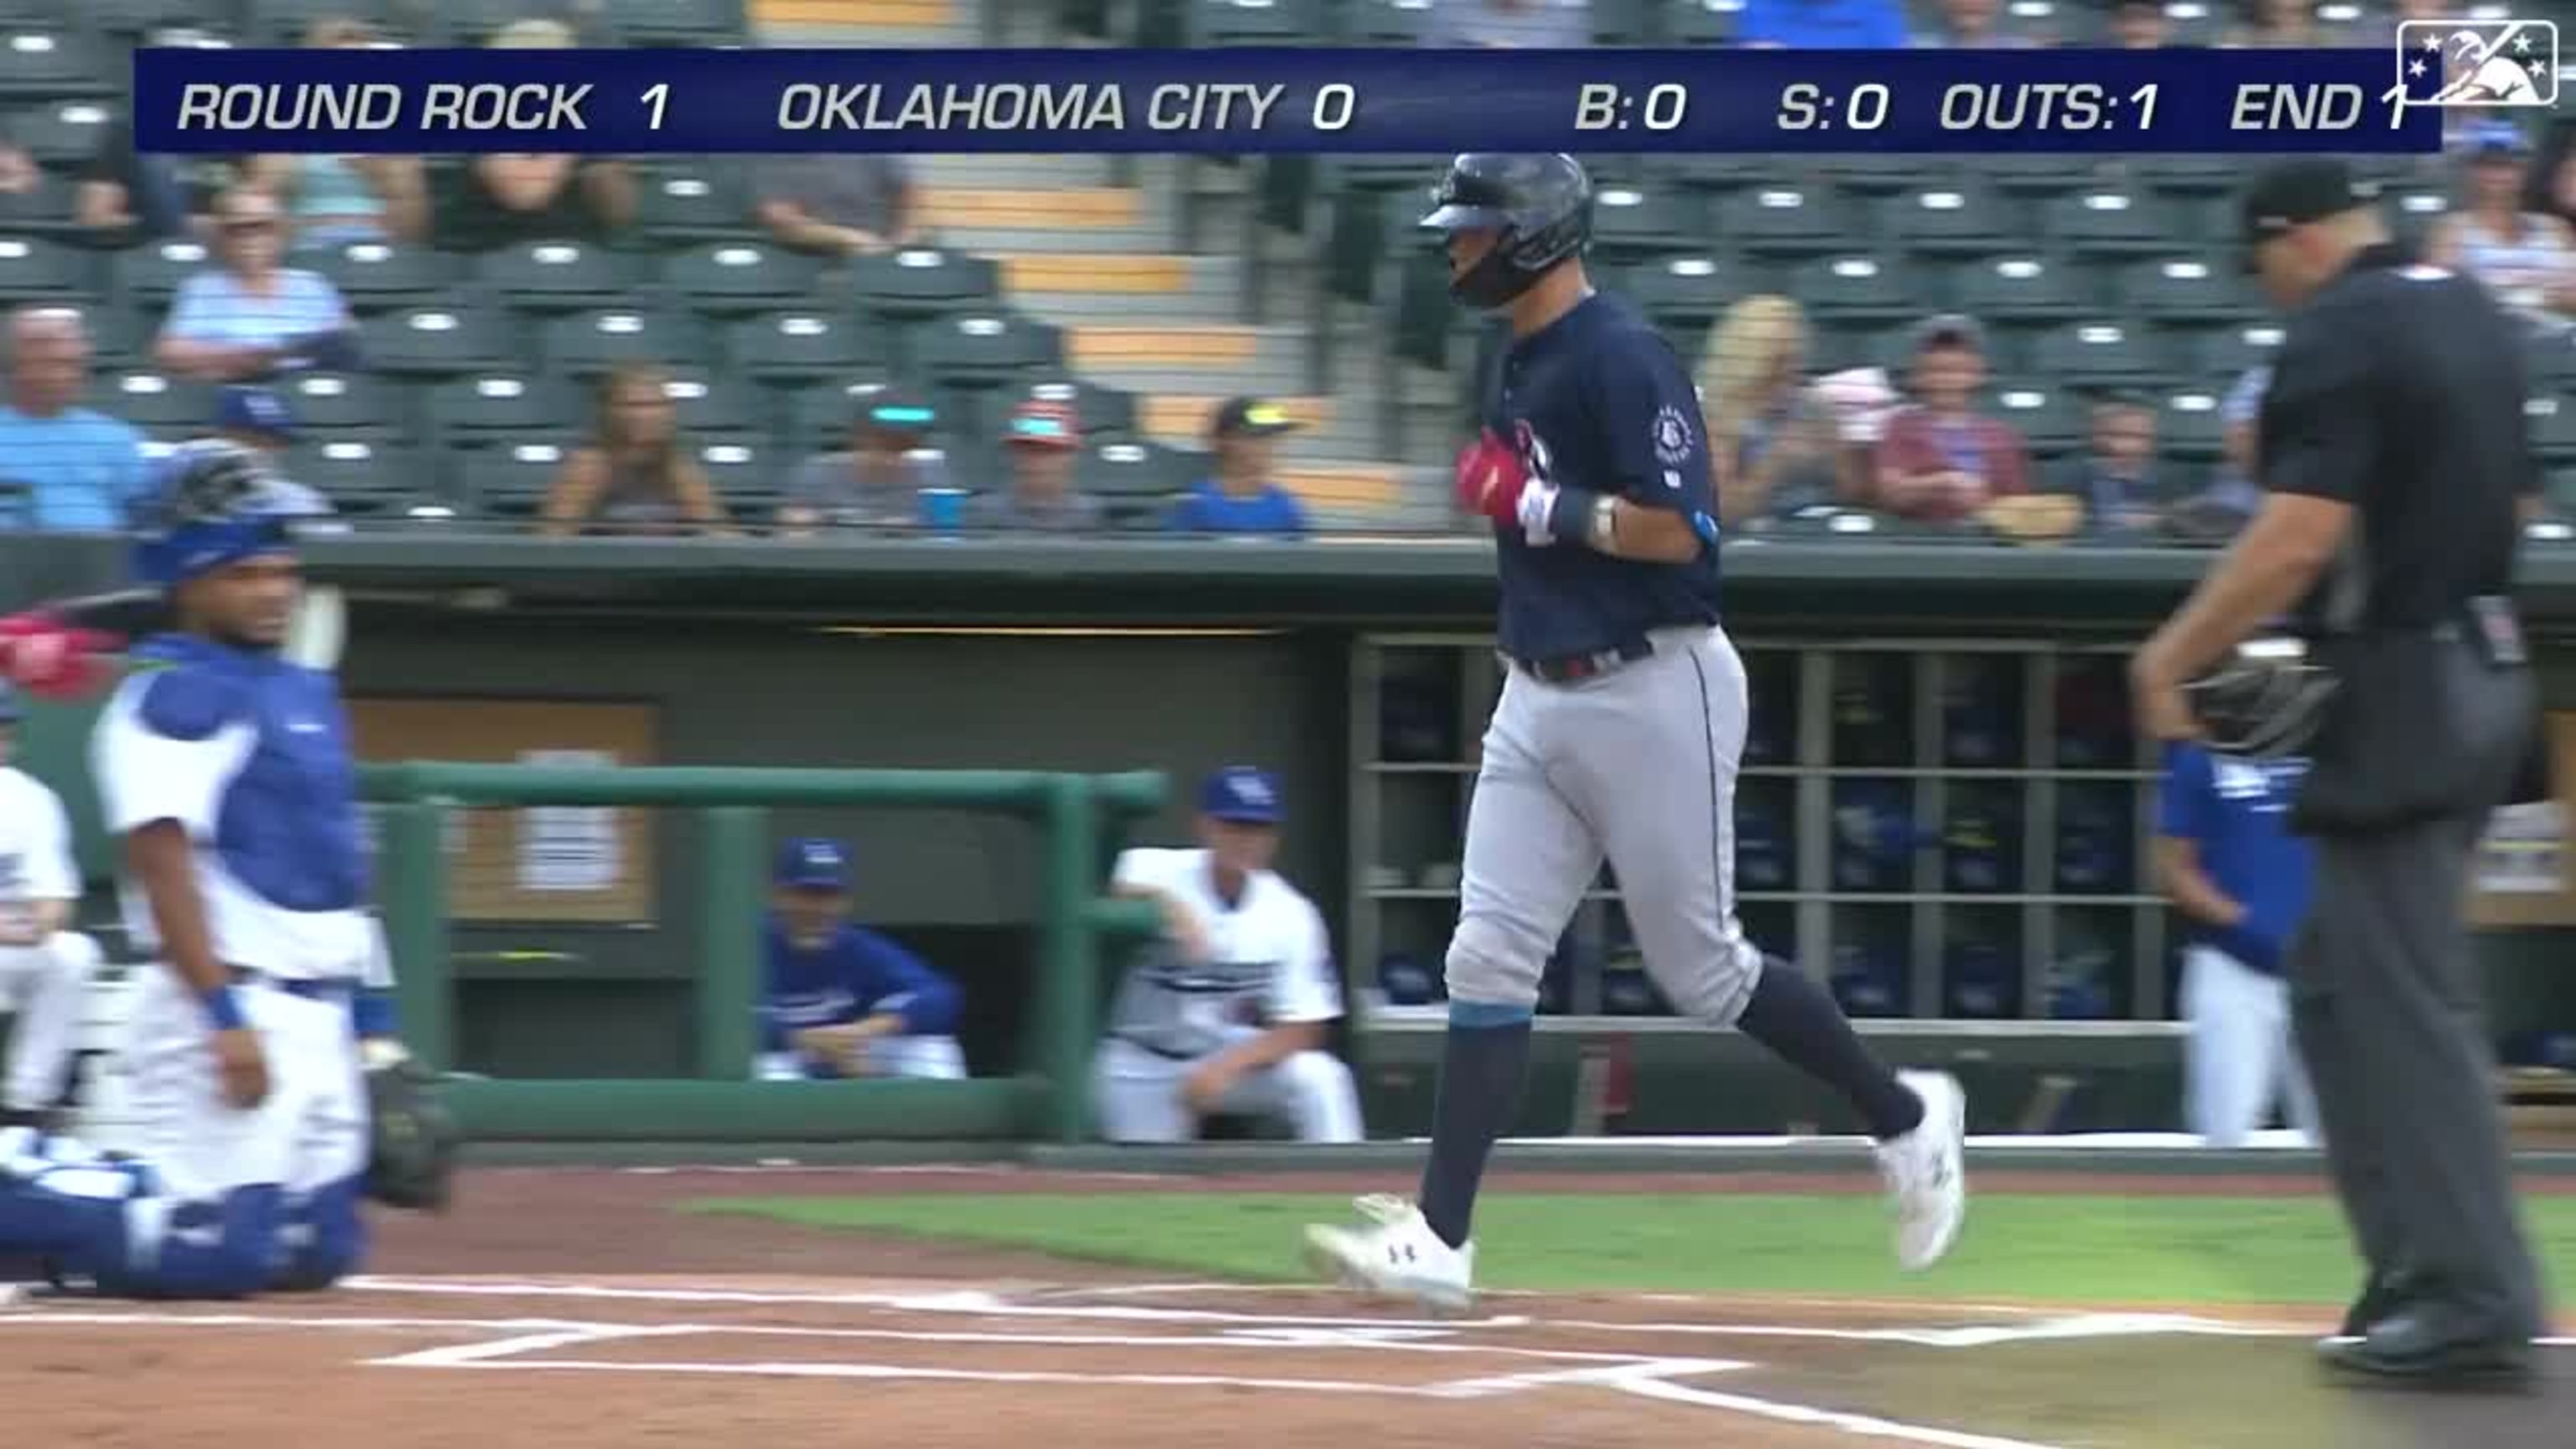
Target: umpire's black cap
<point x="2292" y="193"/>
<point x="1539" y="206"/>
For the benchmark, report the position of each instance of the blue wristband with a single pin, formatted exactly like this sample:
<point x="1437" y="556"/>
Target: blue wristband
<point x="1570" y="518"/>
<point x="223" y="1009"/>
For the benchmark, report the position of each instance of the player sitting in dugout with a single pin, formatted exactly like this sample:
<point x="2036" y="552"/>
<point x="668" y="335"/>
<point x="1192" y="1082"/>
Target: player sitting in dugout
<point x="841" y="1000"/>
<point x="1230" y="1016"/>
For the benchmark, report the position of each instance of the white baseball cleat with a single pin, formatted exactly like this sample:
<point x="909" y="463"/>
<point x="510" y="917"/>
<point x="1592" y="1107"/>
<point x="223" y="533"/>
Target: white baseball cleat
<point x="1395" y="1255"/>
<point x="1927" y="1173"/>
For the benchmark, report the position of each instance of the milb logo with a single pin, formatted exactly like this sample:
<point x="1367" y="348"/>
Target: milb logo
<point x="2484" y="63"/>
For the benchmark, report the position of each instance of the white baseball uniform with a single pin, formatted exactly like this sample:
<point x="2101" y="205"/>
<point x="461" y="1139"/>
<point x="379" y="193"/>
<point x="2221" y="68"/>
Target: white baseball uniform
<point x="41" y="985"/>
<point x="1270" y="964"/>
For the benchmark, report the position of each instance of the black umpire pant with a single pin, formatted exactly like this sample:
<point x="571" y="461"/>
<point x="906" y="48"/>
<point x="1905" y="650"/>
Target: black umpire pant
<point x="2390" y="1017"/>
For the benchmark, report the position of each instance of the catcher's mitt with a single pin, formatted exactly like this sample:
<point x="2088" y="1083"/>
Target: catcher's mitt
<point x="415" y="1138"/>
<point x="2264" y="701"/>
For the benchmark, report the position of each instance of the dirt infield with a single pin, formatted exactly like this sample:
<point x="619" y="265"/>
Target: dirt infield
<point x="573" y="1309"/>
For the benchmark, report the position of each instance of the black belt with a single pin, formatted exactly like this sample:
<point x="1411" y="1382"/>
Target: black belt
<point x="330" y="988"/>
<point x="1567" y="668"/>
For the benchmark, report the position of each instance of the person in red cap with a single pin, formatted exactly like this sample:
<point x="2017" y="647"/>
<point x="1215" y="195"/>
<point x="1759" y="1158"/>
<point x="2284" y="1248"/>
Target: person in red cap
<point x="1045" y="441"/>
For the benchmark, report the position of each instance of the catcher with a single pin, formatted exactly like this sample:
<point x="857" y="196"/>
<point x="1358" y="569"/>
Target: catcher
<point x="263" y="1032"/>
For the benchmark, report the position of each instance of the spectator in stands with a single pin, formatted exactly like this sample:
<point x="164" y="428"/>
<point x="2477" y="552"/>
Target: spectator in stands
<point x="1509" y="24"/>
<point x="635" y="475"/>
<point x="504" y="198"/>
<point x="1970" y="25"/>
<point x="1241" y="496"/>
<point x="1822" y="25"/>
<point x="250" y="317"/>
<point x="332" y="200"/>
<point x="1045" y="441"/>
<point x="2140" y="25"/>
<point x="838" y="206"/>
<point x="2116" y="479"/>
<point x="258" y="419"/>
<point x="877" y="483"/>
<point x="126" y="198"/>
<point x="81" y="469"/>
<point x="1771" y="444"/>
<point x="2275" y="25"/>
<point x="2526" y="259"/>
<point x="1941" y="460"/>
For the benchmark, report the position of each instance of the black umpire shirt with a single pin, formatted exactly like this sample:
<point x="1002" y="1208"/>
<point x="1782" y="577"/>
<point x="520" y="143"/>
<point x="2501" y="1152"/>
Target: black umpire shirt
<point x="2399" y="390"/>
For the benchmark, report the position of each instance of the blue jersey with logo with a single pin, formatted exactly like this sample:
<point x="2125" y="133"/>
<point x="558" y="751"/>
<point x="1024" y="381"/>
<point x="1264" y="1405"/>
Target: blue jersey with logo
<point x="1597" y="400"/>
<point x="1210" y="509"/>
<point x="2237" y="812"/>
<point x="854" y="975"/>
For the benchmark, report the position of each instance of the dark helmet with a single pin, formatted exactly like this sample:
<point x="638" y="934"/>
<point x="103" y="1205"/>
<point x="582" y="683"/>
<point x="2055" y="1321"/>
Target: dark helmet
<point x="217" y="504"/>
<point x="1540" y="206"/>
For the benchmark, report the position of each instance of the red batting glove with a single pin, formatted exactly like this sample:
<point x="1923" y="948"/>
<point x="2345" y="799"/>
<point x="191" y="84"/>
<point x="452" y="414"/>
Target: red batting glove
<point x="1491" y="480"/>
<point x="51" y="659"/>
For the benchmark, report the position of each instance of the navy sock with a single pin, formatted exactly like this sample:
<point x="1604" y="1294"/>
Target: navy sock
<point x="1482" y="1064"/>
<point x="1803" y="1026"/>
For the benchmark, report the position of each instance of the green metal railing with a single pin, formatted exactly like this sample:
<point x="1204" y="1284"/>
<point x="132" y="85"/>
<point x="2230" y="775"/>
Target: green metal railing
<point x="1077" y="815"/>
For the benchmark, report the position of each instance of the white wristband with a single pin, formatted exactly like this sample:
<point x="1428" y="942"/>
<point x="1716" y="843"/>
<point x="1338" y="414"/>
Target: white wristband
<point x="1537" y="501"/>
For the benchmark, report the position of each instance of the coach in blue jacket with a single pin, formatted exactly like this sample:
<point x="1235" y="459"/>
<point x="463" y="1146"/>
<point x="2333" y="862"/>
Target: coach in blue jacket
<point x="842" y="1000"/>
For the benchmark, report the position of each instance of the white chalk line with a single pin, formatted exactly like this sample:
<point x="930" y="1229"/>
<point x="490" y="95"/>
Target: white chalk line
<point x="1864" y="1426"/>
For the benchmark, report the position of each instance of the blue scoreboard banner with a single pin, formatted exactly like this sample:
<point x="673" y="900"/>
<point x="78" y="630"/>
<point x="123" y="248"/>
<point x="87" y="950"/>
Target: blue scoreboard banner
<point x="1241" y="101"/>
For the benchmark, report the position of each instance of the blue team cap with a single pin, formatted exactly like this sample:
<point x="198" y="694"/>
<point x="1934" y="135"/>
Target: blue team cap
<point x="241" y="409"/>
<point x="1241" y="795"/>
<point x="814" y="864"/>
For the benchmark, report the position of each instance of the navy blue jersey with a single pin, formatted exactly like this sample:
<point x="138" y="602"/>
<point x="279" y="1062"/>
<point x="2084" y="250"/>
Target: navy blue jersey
<point x="1597" y="400"/>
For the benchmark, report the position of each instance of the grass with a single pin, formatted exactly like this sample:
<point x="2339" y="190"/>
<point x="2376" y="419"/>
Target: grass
<point x="2043" y="1248"/>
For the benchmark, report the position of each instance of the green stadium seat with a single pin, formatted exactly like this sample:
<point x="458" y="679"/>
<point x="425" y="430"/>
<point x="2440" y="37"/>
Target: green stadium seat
<point x="1371" y="221"/>
<point x="2050" y="421"/>
<point x="1132" y="479"/>
<point x="54" y="64"/>
<point x="738" y="277"/>
<point x="1956" y="218"/>
<point x="2223" y="354"/>
<point x="2112" y="221"/>
<point x="2189" y="175"/>
<point x="2034" y="175"/>
<point x="2019" y="291"/>
<point x="744" y="474"/>
<point x="436" y="341"/>
<point x="968" y="358"/>
<point x="1877" y="174"/>
<point x="1107" y="414"/>
<point x="1388" y="23"/>
<point x="924" y="282"/>
<point x="465" y="412"/>
<point x="1715" y="176"/>
<point x="337" y="402"/>
<point x="33" y="269"/>
<point x="63" y="136"/>
<point x="804" y="346"/>
<point x="1254" y="22"/>
<point x="1625" y="22"/>
<point x="1425" y="318"/>
<point x="548" y="277"/>
<point x="819" y="419"/>
<point x="2185" y="289"/>
<point x="155" y="401"/>
<point x="509" y="481"/>
<point x="384" y="276"/>
<point x="118" y="336"/>
<point x="2553" y="428"/>
<point x="1856" y="289"/>
<point x="703" y="403"/>
<point x="1630" y="225"/>
<point x="470" y="23"/>
<point x="361" y="478"/>
<point x="681" y="204"/>
<point x="681" y="23"/>
<point x="1689" y="293"/>
<point x="1696" y="23"/>
<point x="148" y="276"/>
<point x="2190" y="424"/>
<point x="1784" y="221"/>
<point x="43" y="209"/>
<point x="2549" y="365"/>
<point x="135" y="18"/>
<point x="587" y="344"/>
<point x="2096" y="355"/>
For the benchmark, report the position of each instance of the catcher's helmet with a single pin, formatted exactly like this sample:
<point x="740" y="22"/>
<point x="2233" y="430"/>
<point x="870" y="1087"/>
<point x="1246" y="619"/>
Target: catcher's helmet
<point x="2262" y="702"/>
<point x="1538" y="206"/>
<point x="217" y="503"/>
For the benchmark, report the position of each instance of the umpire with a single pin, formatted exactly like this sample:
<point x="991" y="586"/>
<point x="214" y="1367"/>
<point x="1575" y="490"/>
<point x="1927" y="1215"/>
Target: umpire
<point x="2396" y="468"/>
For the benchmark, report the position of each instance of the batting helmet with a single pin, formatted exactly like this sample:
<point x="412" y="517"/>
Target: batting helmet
<point x="1538" y="207"/>
<point x="2264" y="701"/>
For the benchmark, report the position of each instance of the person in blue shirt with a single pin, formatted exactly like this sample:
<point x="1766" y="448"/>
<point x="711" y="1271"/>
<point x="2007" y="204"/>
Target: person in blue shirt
<point x="1822" y="25"/>
<point x="841" y="1000"/>
<point x="1240" y="497"/>
<point x="82" y="470"/>
<point x="2230" y="865"/>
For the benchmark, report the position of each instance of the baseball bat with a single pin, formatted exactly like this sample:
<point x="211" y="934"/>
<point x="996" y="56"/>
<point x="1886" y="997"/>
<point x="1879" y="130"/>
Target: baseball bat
<point x="315" y="637"/>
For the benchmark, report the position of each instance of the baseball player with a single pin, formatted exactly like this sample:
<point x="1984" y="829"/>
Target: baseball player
<point x="226" y="774"/>
<point x="1231" y="1017"/>
<point x="844" y="1001"/>
<point x="2231" y="866"/>
<point x="1618" y="734"/>
<point x="44" y="969"/>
